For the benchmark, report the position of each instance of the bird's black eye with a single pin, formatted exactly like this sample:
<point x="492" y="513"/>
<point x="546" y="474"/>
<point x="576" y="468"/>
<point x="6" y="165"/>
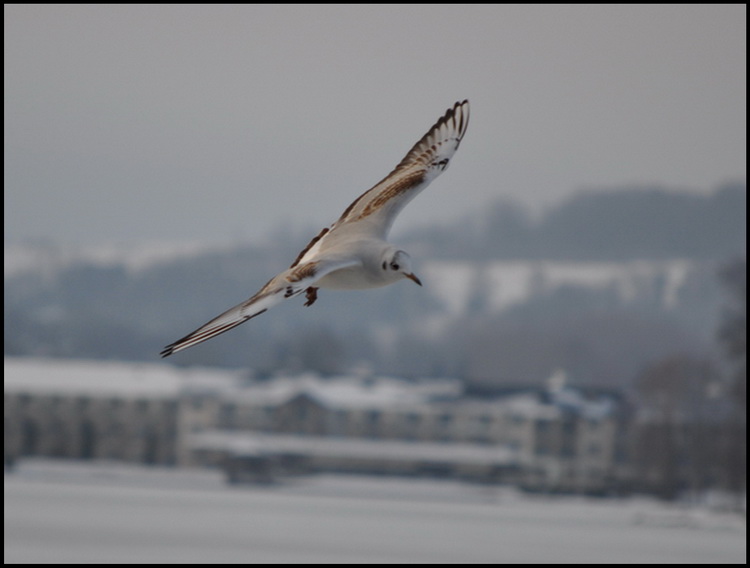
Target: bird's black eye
<point x="394" y="266"/>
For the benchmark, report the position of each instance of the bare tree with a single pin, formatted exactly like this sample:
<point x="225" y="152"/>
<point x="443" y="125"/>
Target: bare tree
<point x="676" y="442"/>
<point x="733" y="336"/>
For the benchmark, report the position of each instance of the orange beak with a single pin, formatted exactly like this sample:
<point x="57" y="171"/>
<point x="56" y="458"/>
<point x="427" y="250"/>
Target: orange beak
<point x="413" y="278"/>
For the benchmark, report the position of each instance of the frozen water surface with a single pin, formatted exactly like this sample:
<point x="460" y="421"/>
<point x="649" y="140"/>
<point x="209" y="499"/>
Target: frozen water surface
<point x="61" y="513"/>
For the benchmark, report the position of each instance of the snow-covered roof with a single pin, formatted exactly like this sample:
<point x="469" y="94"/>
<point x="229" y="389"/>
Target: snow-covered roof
<point x="157" y="380"/>
<point x="345" y="391"/>
<point x="125" y="379"/>
<point x="108" y="378"/>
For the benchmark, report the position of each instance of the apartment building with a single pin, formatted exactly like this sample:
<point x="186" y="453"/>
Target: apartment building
<point x="551" y="438"/>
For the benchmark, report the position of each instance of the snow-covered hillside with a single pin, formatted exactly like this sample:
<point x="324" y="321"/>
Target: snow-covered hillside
<point x="46" y="258"/>
<point x="502" y="284"/>
<point x="520" y="318"/>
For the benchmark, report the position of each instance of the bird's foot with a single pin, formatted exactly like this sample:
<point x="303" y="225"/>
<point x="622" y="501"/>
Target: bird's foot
<point x="311" y="294"/>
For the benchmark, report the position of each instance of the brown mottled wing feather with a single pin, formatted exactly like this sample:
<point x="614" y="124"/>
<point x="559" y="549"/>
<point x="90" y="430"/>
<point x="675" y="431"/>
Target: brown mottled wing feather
<point x="286" y="285"/>
<point x="373" y="212"/>
<point x="424" y="162"/>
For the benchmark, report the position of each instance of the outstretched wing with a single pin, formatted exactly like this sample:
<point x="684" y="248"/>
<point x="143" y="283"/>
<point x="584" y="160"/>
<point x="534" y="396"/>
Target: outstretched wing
<point x="373" y="212"/>
<point x="286" y="285"/>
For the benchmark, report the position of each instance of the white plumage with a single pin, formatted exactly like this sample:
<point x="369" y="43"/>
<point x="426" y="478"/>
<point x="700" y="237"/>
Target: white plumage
<point x="353" y="253"/>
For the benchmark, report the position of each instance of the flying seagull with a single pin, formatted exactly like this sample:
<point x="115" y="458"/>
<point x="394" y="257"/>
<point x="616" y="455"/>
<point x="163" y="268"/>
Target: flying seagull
<point x="353" y="253"/>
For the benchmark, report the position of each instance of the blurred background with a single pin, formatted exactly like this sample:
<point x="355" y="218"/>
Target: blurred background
<point x="582" y="326"/>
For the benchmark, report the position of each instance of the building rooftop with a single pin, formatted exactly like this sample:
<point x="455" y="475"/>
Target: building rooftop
<point x="108" y="378"/>
<point x="158" y="380"/>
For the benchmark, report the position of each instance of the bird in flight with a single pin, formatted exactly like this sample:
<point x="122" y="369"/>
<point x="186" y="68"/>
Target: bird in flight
<point x="353" y="253"/>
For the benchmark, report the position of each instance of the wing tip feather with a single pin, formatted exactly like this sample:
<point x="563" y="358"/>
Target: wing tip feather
<point x="200" y="335"/>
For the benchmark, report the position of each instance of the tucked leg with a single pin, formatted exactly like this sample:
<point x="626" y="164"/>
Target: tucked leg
<point x="311" y="294"/>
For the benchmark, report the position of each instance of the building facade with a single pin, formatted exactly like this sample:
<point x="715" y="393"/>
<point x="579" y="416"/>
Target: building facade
<point x="551" y="439"/>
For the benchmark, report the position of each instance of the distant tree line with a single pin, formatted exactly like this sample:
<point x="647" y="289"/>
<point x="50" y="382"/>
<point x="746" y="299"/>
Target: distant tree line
<point x="623" y="224"/>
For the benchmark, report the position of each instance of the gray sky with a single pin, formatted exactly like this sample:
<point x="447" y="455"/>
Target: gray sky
<point x="126" y="123"/>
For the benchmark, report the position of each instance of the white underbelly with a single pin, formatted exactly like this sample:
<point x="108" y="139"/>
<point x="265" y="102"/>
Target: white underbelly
<point x="350" y="279"/>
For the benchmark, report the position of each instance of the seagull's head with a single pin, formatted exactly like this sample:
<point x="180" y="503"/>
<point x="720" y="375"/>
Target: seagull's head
<point x="397" y="264"/>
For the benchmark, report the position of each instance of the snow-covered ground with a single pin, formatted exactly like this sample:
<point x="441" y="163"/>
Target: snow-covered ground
<point x="68" y="512"/>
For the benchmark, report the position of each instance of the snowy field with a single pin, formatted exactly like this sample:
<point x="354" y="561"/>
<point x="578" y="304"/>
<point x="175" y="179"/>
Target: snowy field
<point x="63" y="512"/>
